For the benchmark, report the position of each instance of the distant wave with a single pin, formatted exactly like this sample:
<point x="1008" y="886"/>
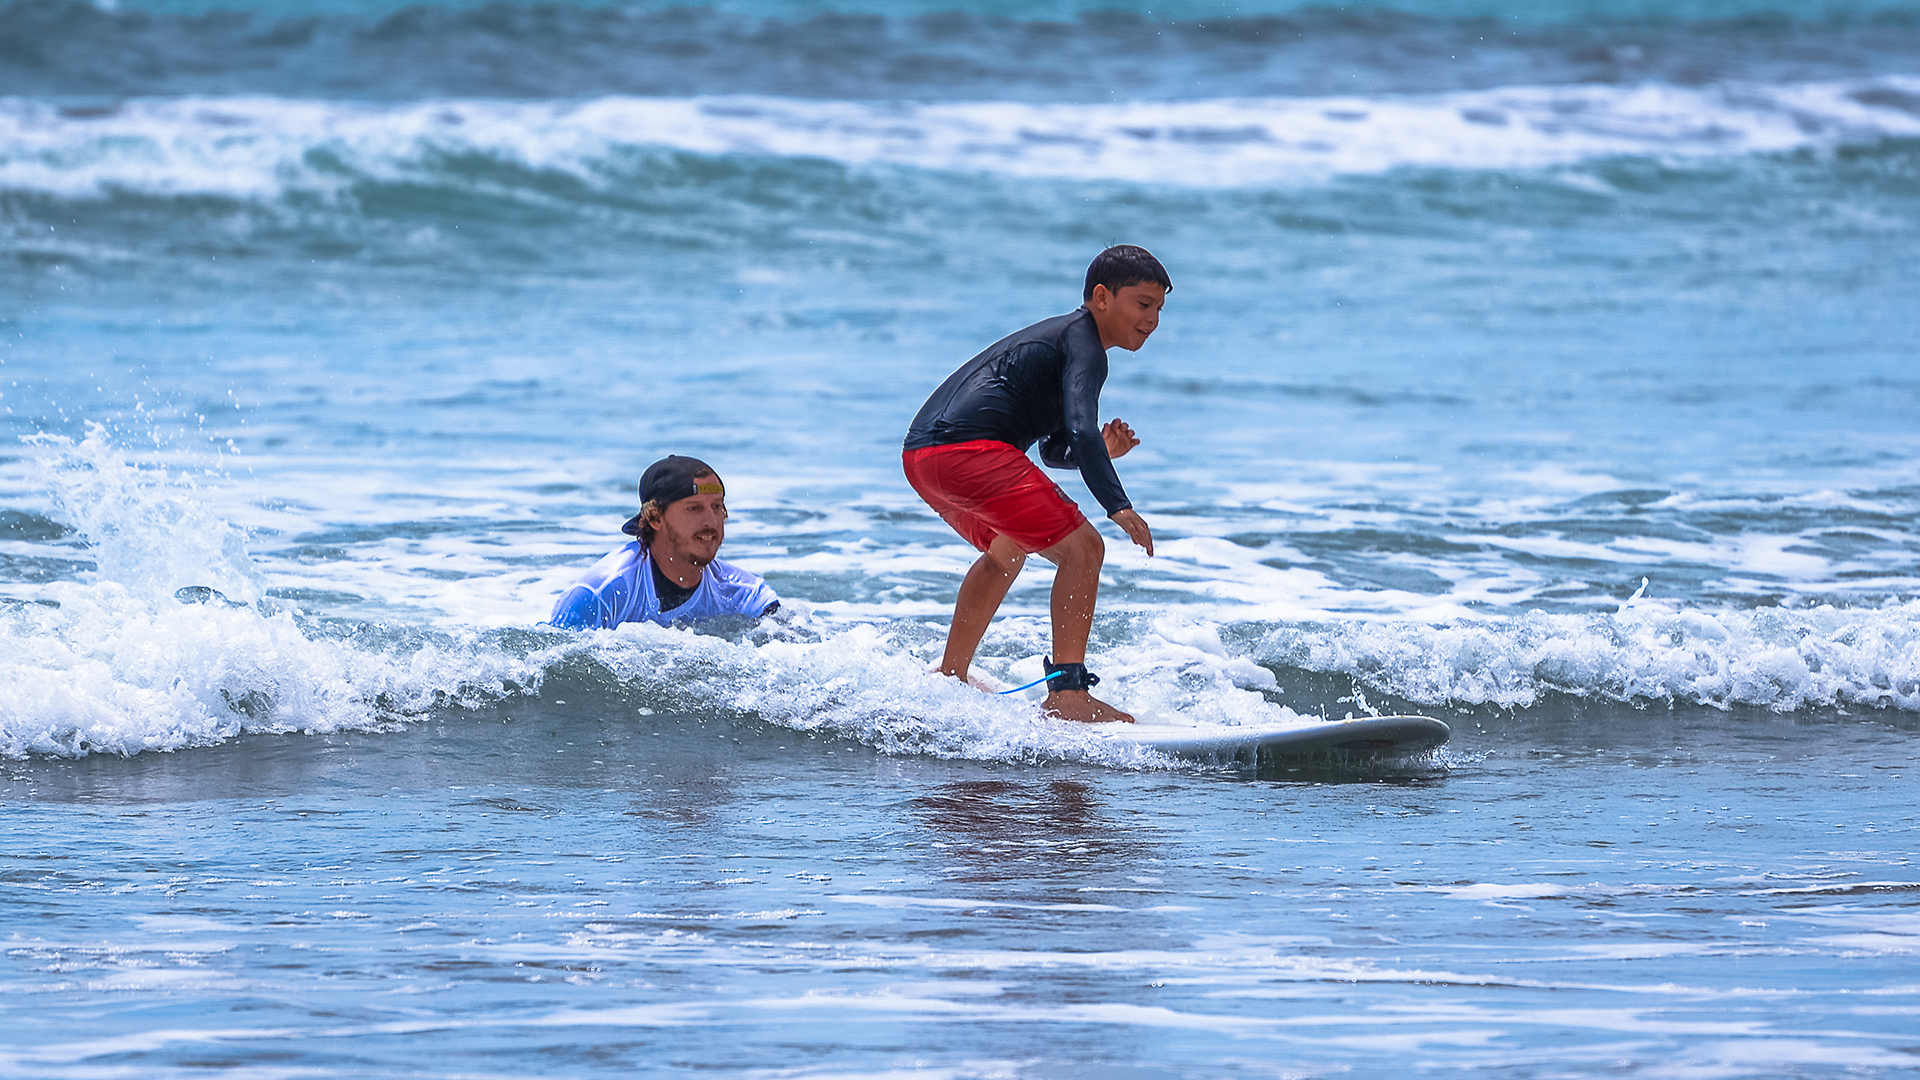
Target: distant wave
<point x="540" y="50"/>
<point x="258" y="148"/>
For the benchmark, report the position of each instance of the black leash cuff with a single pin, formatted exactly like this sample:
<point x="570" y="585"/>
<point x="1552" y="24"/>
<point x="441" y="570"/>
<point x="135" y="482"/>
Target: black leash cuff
<point x="1069" y="676"/>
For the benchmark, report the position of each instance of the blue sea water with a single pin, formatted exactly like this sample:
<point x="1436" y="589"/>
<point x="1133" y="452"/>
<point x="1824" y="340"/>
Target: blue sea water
<point x="1545" y="368"/>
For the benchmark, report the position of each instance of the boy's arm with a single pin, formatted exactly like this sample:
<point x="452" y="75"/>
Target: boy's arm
<point x="1056" y="450"/>
<point x="1081" y="378"/>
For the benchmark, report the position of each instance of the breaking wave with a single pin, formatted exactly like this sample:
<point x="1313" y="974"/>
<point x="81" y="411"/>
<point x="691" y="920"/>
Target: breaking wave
<point x="1651" y="652"/>
<point x="174" y="641"/>
<point x="269" y="149"/>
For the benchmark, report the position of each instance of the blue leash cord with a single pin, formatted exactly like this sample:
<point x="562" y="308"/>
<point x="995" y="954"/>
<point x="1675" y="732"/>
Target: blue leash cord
<point x="1034" y="683"/>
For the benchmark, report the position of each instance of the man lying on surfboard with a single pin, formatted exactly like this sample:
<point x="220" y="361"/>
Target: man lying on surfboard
<point x="966" y="455"/>
<point x="669" y="573"/>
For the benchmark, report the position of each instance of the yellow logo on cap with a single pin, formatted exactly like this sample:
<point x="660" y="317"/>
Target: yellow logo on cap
<point x="709" y="489"/>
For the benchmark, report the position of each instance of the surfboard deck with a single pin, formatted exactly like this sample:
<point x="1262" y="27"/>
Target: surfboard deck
<point x="1374" y="736"/>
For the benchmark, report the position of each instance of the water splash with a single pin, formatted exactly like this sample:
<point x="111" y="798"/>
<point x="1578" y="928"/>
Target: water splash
<point x="147" y="528"/>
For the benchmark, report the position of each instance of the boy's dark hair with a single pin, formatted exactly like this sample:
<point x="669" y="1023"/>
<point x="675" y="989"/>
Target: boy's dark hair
<point x="1122" y="265"/>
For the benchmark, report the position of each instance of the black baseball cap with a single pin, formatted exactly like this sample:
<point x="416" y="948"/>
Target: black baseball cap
<point x="671" y="479"/>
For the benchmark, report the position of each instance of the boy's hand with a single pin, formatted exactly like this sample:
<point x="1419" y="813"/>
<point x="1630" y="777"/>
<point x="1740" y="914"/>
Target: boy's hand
<point x="1136" y="527"/>
<point x="1120" y="438"/>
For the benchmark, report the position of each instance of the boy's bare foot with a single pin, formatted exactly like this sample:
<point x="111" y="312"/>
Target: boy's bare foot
<point x="971" y="680"/>
<point x="1082" y="706"/>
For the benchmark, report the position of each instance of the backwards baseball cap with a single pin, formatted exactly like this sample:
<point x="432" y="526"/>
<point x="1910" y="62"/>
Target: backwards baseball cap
<point x="671" y="479"/>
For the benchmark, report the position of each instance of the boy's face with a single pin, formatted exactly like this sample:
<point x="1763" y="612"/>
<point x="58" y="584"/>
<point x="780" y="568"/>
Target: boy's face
<point x="1128" y="317"/>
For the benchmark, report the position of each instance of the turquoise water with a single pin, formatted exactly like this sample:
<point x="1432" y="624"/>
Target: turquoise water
<point x="1546" y="369"/>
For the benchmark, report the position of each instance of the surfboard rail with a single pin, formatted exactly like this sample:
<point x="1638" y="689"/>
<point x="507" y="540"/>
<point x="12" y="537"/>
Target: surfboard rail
<point x="1379" y="736"/>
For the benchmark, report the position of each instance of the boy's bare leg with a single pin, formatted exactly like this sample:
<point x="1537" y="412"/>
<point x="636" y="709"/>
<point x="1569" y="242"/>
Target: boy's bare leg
<point x="1075" y="587"/>
<point x="985" y="586"/>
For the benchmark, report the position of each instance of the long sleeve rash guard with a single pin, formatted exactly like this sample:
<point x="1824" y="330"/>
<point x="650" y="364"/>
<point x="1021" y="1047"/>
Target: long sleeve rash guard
<point x="1042" y="385"/>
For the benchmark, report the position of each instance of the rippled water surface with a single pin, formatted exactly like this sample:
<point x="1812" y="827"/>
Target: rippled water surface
<point x="1545" y="368"/>
<point x="554" y="890"/>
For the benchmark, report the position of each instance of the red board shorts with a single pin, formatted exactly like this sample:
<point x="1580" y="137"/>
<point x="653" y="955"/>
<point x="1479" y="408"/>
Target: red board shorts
<point x="985" y="488"/>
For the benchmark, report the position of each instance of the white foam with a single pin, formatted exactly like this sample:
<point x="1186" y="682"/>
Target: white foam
<point x="1651" y="650"/>
<point x="1494" y="891"/>
<point x="861" y="682"/>
<point x="112" y="671"/>
<point x="147" y="529"/>
<point x="259" y="148"/>
<point x="113" y="662"/>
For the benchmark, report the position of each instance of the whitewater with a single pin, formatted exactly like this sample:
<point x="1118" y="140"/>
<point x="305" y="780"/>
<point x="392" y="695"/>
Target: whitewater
<point x="1545" y="369"/>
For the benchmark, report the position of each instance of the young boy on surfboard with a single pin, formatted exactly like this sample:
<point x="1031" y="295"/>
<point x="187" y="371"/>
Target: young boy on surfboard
<point x="966" y="455"/>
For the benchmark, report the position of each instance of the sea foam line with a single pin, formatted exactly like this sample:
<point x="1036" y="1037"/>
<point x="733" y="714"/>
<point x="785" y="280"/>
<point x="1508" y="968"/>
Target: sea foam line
<point x="263" y="147"/>
<point x="1649" y="652"/>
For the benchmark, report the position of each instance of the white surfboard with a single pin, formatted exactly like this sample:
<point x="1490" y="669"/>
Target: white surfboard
<point x="1368" y="736"/>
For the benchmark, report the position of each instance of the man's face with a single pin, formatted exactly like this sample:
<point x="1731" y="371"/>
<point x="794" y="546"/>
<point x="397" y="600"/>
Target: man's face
<point x="1128" y="317"/>
<point x="691" y="529"/>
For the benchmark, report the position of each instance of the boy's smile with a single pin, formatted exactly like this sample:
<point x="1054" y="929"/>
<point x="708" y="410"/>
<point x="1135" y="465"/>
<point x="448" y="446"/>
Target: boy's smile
<point x="1127" y="318"/>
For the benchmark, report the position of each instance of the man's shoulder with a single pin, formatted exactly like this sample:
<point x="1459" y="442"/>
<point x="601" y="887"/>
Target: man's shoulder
<point x="601" y="594"/>
<point x="727" y="574"/>
<point x="614" y="564"/>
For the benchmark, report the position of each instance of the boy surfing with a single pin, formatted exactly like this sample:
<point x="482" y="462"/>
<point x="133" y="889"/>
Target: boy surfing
<point x="966" y="455"/>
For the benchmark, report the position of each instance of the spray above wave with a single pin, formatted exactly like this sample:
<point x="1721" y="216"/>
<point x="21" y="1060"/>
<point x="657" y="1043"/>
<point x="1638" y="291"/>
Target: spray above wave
<point x="267" y="148"/>
<point x="138" y="654"/>
<point x="524" y="50"/>
<point x="146" y="528"/>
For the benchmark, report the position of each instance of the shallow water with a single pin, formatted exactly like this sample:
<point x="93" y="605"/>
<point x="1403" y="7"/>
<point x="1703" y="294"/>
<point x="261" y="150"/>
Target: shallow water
<point x="1545" y="368"/>
<point x="548" y="889"/>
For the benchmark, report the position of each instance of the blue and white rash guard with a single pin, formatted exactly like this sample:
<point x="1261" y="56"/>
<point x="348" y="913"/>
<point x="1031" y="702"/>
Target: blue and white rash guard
<point x="619" y="588"/>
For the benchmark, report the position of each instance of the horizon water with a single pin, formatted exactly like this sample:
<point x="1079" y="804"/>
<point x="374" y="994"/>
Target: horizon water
<point x="1544" y="368"/>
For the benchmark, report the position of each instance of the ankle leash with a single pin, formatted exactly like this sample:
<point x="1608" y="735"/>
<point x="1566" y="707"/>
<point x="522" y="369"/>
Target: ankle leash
<point x="1062" y="677"/>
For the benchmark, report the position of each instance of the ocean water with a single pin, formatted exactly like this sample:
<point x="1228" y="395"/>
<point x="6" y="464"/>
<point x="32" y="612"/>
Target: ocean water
<point x="1547" y="368"/>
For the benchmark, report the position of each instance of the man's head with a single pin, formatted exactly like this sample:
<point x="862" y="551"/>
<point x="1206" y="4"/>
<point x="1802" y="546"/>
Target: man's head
<point x="1126" y="287"/>
<point x="683" y="510"/>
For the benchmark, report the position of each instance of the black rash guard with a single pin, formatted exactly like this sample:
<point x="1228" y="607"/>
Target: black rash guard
<point x="670" y="592"/>
<point x="1040" y="384"/>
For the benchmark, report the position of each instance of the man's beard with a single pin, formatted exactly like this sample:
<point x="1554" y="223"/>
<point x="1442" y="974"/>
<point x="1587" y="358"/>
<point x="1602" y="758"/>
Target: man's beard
<point x="684" y="547"/>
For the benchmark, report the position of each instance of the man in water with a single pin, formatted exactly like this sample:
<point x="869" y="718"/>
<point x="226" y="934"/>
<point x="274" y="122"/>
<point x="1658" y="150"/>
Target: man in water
<point x="966" y="454"/>
<point x="669" y="573"/>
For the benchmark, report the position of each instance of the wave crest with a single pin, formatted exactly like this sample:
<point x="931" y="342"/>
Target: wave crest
<point x="269" y="149"/>
<point x="1650" y="652"/>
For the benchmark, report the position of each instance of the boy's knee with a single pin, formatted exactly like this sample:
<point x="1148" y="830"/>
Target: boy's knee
<point x="1005" y="556"/>
<point x="1083" y="545"/>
